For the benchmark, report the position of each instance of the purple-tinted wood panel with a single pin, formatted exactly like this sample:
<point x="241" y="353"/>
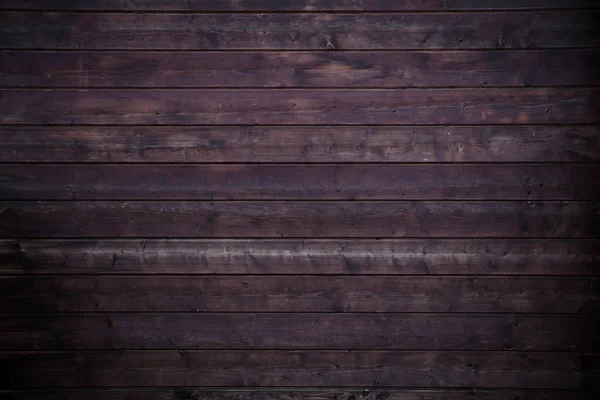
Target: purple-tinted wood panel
<point x="300" y="106"/>
<point x="416" y="31"/>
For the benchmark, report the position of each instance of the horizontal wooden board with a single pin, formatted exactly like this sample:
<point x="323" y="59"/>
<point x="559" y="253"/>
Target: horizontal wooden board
<point x="300" y="69"/>
<point x="299" y="368"/>
<point x="300" y="106"/>
<point x="298" y="294"/>
<point x="371" y="393"/>
<point x="472" y="30"/>
<point x="152" y="219"/>
<point x="301" y="144"/>
<point x="293" y="5"/>
<point x="337" y="124"/>
<point x="310" y="256"/>
<point x="300" y="182"/>
<point x="75" y="331"/>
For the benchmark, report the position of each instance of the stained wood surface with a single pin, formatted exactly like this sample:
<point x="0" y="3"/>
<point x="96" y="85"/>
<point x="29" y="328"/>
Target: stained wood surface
<point x="300" y="199"/>
<point x="311" y="256"/>
<point x="294" y="5"/>
<point x="168" y="31"/>
<point x="154" y="219"/>
<point x="300" y="106"/>
<point x="299" y="368"/>
<point x="300" y="144"/>
<point x="70" y="331"/>
<point x="300" y="69"/>
<point x="317" y="182"/>
<point x="294" y="394"/>
<point x="299" y="294"/>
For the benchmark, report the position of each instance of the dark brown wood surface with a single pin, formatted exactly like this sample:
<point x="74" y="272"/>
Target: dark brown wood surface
<point x="299" y="294"/>
<point x="74" y="331"/>
<point x="382" y="69"/>
<point x="316" y="182"/>
<point x="293" y="5"/>
<point x="168" y="31"/>
<point x="300" y="106"/>
<point x="577" y="219"/>
<point x="470" y="256"/>
<point x="299" y="199"/>
<point x="371" y="393"/>
<point x="302" y="144"/>
<point x="300" y="368"/>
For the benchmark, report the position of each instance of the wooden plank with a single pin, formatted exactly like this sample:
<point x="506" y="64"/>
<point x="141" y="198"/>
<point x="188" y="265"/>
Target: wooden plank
<point x="311" y="256"/>
<point x="300" y="182"/>
<point x="298" y="294"/>
<point x="536" y="370"/>
<point x="422" y="144"/>
<point x="592" y="376"/>
<point x="514" y="4"/>
<point x="155" y="331"/>
<point x="178" y="219"/>
<point x="372" y="393"/>
<point x="300" y="106"/>
<point x="294" y="5"/>
<point x="10" y="257"/>
<point x="168" y="31"/>
<point x="572" y="67"/>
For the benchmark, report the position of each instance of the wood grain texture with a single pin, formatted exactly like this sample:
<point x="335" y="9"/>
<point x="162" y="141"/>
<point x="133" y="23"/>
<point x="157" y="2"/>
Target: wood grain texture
<point x="293" y="5"/>
<point x="299" y="368"/>
<point x="372" y="393"/>
<point x="226" y="211"/>
<point x="572" y="67"/>
<point x="300" y="182"/>
<point x="300" y="106"/>
<point x="311" y="256"/>
<point x="154" y="219"/>
<point x="299" y="294"/>
<point x="472" y="30"/>
<point x="75" y="331"/>
<point x="312" y="144"/>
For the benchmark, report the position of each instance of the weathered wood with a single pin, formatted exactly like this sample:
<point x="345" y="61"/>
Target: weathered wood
<point x="492" y="293"/>
<point x="297" y="368"/>
<point x="173" y="219"/>
<point x="294" y="5"/>
<point x="299" y="294"/>
<point x="311" y="256"/>
<point x="300" y="182"/>
<point x="300" y="69"/>
<point x="471" y="30"/>
<point x="494" y="332"/>
<point x="422" y="144"/>
<point x="372" y="393"/>
<point x="300" y="106"/>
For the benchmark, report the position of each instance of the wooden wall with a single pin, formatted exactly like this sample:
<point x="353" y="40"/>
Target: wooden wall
<point x="299" y="200"/>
